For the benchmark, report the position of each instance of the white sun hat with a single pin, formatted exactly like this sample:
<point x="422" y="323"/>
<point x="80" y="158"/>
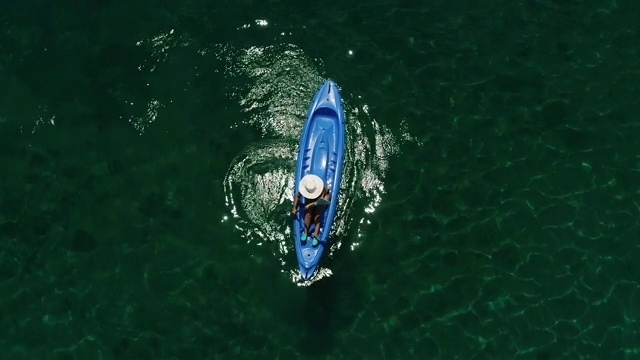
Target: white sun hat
<point x="311" y="186"/>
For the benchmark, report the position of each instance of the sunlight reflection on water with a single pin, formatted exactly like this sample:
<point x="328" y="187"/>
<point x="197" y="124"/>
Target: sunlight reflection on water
<point x="273" y="86"/>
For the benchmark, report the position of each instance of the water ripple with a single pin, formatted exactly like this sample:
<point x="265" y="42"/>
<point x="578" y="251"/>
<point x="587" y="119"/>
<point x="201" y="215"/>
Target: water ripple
<point x="273" y="86"/>
<point x="259" y="182"/>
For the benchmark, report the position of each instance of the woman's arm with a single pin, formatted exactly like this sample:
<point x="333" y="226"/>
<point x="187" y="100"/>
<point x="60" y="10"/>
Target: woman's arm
<point x="326" y="196"/>
<point x="295" y="203"/>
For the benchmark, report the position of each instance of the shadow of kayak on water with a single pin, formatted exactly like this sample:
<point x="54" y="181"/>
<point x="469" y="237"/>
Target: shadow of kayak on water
<point x="330" y="305"/>
<point x="319" y="318"/>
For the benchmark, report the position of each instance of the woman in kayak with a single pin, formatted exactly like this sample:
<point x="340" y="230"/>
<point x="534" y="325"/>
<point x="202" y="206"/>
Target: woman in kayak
<point x="316" y="195"/>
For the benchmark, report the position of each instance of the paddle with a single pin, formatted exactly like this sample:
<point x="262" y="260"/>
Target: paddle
<point x="290" y="216"/>
<point x="321" y="201"/>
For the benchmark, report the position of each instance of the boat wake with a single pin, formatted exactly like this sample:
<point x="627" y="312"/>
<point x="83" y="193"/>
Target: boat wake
<point x="273" y="85"/>
<point x="259" y="182"/>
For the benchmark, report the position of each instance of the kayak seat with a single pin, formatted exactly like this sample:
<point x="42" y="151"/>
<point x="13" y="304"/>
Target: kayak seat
<point x="326" y="112"/>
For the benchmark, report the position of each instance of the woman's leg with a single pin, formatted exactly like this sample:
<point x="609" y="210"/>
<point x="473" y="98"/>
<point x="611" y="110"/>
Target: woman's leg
<point x="317" y="217"/>
<point x="308" y="214"/>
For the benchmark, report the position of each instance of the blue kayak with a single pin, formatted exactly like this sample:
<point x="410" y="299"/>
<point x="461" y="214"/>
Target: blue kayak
<point x="321" y="153"/>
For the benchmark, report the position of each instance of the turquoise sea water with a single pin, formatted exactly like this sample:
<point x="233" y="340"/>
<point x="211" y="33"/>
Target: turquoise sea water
<point x="489" y="207"/>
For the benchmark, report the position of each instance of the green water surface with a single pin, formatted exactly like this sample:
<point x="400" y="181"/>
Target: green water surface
<point x="489" y="206"/>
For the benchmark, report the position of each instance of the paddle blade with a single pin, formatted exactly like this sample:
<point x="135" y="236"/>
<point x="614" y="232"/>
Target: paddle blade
<point x="322" y="201"/>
